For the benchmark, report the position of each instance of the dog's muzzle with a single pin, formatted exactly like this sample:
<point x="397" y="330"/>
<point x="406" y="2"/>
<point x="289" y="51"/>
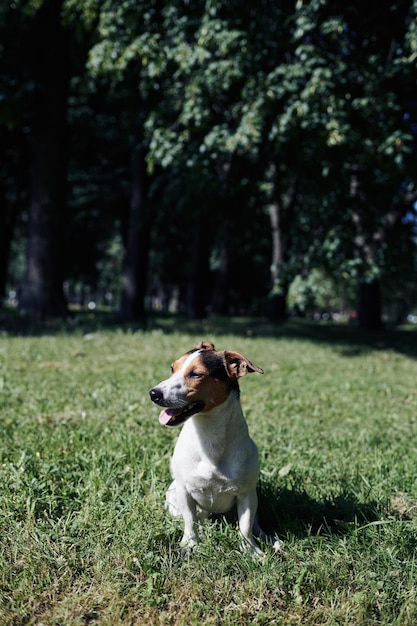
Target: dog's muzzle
<point x="174" y="415"/>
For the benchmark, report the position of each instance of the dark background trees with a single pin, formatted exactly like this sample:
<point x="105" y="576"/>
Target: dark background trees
<point x="203" y="156"/>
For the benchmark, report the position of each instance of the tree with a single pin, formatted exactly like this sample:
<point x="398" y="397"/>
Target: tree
<point x="237" y="146"/>
<point x="380" y="160"/>
<point x="48" y="68"/>
<point x="337" y="108"/>
<point x="13" y="155"/>
<point x="37" y="87"/>
<point x="200" y="133"/>
<point x="12" y="190"/>
<point x="124" y="59"/>
<point x="136" y="237"/>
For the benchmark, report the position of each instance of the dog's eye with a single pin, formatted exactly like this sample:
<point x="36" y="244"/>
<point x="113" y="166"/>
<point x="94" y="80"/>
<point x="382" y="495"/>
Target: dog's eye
<point x="195" y="375"/>
<point x="172" y="369"/>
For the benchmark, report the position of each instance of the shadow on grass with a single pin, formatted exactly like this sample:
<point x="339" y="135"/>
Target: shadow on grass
<point x="350" y="340"/>
<point x="291" y="512"/>
<point x="287" y="512"/>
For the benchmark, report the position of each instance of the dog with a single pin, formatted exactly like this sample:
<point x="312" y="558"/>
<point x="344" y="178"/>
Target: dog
<point x="215" y="462"/>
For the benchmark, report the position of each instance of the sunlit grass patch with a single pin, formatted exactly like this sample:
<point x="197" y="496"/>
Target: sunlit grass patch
<point x="84" y="469"/>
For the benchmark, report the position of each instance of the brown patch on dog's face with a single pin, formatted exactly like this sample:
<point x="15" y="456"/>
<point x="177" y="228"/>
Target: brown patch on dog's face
<point x="205" y="380"/>
<point x="201" y="380"/>
<point x="176" y="365"/>
<point x="211" y="375"/>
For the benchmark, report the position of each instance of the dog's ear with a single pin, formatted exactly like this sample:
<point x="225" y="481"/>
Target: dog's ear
<point x="205" y="345"/>
<point x="238" y="365"/>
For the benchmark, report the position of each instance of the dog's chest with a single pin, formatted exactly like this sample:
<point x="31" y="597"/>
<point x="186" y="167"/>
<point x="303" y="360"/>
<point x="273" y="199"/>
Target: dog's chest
<point x="220" y="476"/>
<point x="214" y="487"/>
<point x="214" y="468"/>
<point x="215" y="464"/>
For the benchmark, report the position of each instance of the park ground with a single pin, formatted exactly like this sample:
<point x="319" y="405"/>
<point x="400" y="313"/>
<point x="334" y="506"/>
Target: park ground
<point x="85" y="465"/>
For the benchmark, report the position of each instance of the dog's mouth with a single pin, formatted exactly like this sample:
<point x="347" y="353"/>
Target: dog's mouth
<point x="177" y="415"/>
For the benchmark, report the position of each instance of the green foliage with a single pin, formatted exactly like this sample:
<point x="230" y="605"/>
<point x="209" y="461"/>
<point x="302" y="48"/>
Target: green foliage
<point x="219" y="94"/>
<point x="320" y="293"/>
<point x="85" y="469"/>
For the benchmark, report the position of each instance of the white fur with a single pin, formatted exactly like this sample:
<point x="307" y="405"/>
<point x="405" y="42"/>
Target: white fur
<point x="174" y="388"/>
<point x="214" y="466"/>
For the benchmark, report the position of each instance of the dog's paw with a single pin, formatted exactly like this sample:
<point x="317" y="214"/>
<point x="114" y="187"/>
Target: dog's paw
<point x="187" y="547"/>
<point x="185" y="552"/>
<point x="250" y="546"/>
<point x="277" y="545"/>
<point x="271" y="540"/>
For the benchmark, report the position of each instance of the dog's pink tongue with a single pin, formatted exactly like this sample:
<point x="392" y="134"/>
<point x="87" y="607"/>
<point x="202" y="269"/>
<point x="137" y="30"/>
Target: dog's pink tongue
<point x="166" y="415"/>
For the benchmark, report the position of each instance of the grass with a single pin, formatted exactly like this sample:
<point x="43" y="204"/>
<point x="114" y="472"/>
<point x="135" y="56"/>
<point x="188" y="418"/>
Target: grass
<point x="84" y="469"/>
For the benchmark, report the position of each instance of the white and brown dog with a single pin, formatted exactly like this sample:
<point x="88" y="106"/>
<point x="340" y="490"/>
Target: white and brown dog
<point x="215" y="462"/>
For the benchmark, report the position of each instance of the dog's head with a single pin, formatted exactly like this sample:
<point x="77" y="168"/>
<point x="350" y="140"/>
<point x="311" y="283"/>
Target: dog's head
<point x="201" y="379"/>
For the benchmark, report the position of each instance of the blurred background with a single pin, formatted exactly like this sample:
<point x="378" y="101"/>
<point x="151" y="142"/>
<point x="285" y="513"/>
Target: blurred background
<point x="209" y="157"/>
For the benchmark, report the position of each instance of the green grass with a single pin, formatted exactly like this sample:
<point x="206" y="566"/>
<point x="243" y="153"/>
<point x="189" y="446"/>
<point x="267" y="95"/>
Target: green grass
<point x="84" y="469"/>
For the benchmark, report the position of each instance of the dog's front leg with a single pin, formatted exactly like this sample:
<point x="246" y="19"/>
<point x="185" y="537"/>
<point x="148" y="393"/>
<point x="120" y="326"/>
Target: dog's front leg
<point x="272" y="541"/>
<point x="246" y="511"/>
<point x="188" y="510"/>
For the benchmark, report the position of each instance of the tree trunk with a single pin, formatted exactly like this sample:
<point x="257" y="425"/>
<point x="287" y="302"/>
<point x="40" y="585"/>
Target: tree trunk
<point x="278" y="297"/>
<point x="366" y="242"/>
<point x="197" y="275"/>
<point x="13" y="192"/>
<point x="7" y="221"/>
<point x="370" y="307"/>
<point x="219" y="298"/>
<point x="278" y="307"/>
<point x="42" y="290"/>
<point x="279" y="235"/>
<point x="136" y="238"/>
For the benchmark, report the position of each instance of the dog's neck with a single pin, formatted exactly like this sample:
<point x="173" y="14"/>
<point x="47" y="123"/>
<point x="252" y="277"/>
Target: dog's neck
<point x="220" y="427"/>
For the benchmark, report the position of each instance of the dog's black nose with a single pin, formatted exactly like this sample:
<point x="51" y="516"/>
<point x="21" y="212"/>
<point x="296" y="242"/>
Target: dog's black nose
<point x="156" y="395"/>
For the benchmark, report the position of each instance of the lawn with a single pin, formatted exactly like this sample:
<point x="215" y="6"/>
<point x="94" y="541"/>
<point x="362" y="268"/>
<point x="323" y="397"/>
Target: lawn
<point x="84" y="469"/>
